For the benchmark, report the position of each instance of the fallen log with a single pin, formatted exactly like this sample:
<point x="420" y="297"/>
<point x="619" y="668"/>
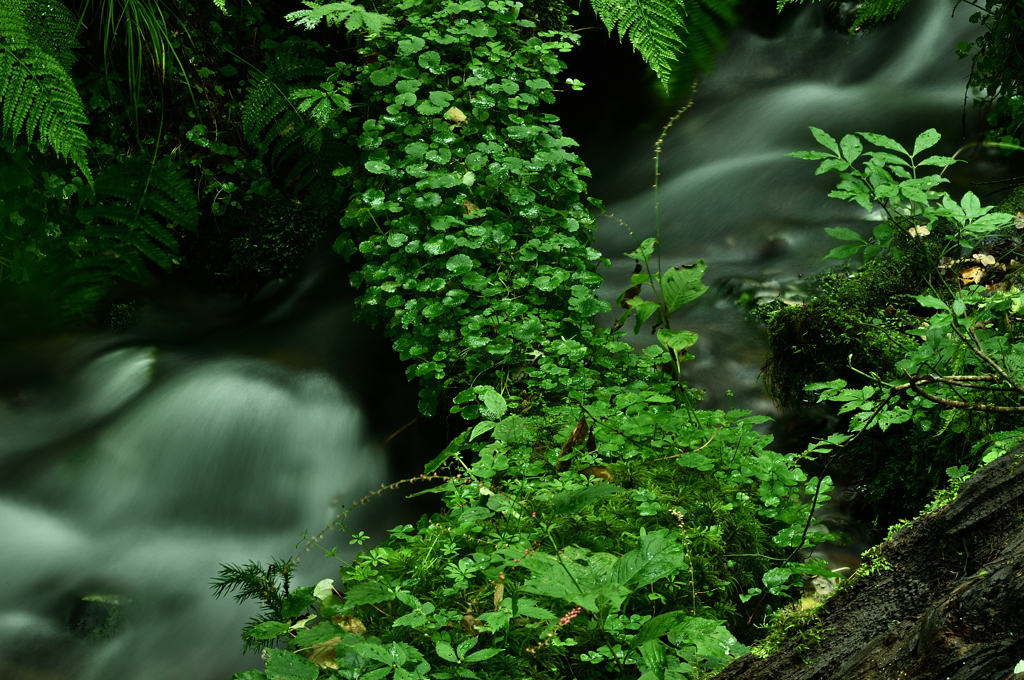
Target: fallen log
<point x="943" y="599"/>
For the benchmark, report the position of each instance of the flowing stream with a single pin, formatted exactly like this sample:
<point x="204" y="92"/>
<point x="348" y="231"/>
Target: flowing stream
<point x="142" y="466"/>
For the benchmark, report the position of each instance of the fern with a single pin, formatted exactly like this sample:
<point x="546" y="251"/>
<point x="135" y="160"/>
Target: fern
<point x="653" y="27"/>
<point x="704" y="39"/>
<point x="136" y="206"/>
<point x="352" y="17"/>
<point x="37" y="95"/>
<point x="870" y="12"/>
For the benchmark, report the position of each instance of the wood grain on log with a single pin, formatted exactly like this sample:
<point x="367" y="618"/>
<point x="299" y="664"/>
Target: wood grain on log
<point x="951" y="606"/>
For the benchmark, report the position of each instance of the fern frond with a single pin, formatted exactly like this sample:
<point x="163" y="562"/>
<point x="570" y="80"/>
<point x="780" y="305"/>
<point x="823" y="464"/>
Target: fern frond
<point x="52" y="27"/>
<point x="653" y="27"/>
<point x="136" y="205"/>
<point x="37" y="95"/>
<point x="706" y="21"/>
<point x="873" y="11"/>
<point x="352" y="17"/>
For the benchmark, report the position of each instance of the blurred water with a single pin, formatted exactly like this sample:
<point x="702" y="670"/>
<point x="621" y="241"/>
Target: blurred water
<point x="730" y="196"/>
<point x="136" y="478"/>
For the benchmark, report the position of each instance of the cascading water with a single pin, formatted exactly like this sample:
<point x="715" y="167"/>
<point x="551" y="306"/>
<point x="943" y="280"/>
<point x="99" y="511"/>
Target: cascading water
<point x="141" y="472"/>
<point x="135" y="479"/>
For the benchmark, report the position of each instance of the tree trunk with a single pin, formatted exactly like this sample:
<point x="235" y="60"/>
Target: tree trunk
<point x="950" y="607"/>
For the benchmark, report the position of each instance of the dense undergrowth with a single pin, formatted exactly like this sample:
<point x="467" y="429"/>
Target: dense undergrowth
<point x="596" y="521"/>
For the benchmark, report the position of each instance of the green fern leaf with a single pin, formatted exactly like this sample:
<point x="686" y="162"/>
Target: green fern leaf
<point x="653" y="27"/>
<point x="37" y="95"/>
<point x="135" y="203"/>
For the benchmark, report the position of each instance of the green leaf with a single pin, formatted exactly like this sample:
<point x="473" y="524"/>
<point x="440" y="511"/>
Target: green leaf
<point x="644" y="252"/>
<point x="657" y="556"/>
<point x="482" y="655"/>
<point x="926" y="140"/>
<point x="482" y="427"/>
<point x="941" y="161"/>
<point x="430" y="61"/>
<point x="825" y="140"/>
<point x="843" y="234"/>
<point x="884" y="142"/>
<point x="249" y="675"/>
<point x="445" y="651"/>
<point x="377" y="167"/>
<point x="384" y="76"/>
<point x="454" y="447"/>
<point x="671" y="622"/>
<point x="320" y="633"/>
<point x="268" y="630"/>
<point x="459" y="264"/>
<point x="368" y="592"/>
<point x="831" y="164"/>
<point x="323" y="589"/>
<point x="843" y="252"/>
<point x="680" y="285"/>
<point x="677" y="340"/>
<point x="282" y="665"/>
<point x="571" y="502"/>
<point x="809" y="155"/>
<point x="931" y="302"/>
<point x="852" y="147"/>
<point x="494" y="402"/>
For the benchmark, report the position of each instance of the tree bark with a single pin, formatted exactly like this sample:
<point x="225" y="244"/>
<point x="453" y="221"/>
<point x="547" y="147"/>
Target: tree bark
<point x="950" y="607"/>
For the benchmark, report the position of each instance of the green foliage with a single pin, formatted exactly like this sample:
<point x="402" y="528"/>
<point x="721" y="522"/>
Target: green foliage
<point x="961" y="372"/>
<point x="997" y="66"/>
<point x="468" y="216"/>
<point x="37" y="96"/>
<point x="664" y="30"/>
<point x="68" y="242"/>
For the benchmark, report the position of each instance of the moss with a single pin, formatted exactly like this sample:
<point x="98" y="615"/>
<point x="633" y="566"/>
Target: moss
<point x="837" y="335"/>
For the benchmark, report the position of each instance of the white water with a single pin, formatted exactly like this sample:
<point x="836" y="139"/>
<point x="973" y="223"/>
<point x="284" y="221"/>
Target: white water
<point x="143" y="470"/>
<point x="137" y="479"/>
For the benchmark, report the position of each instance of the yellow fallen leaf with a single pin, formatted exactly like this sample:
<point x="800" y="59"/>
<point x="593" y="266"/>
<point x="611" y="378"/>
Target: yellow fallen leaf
<point x="455" y="115"/>
<point x="971" y="275"/>
<point x="919" y="231"/>
<point x="984" y="259"/>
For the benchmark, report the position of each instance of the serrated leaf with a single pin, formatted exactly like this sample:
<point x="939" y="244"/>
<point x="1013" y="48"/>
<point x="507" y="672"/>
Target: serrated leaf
<point x="941" y="161"/>
<point x="657" y="556"/>
<point x="926" y="140"/>
<point x="809" y="155"/>
<point x="884" y="142"/>
<point x="384" y="76"/>
<point x="494" y="402"/>
<point x="446" y="651"/>
<point x="680" y="341"/>
<point x="482" y="655"/>
<point x="832" y="164"/>
<point x="368" y="592"/>
<point x="571" y="502"/>
<point x="459" y="264"/>
<point x="852" y="147"/>
<point x="268" y="630"/>
<point x="843" y="252"/>
<point x="843" y="234"/>
<point x="282" y="665"/>
<point x="825" y="140"/>
<point x="680" y="285"/>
